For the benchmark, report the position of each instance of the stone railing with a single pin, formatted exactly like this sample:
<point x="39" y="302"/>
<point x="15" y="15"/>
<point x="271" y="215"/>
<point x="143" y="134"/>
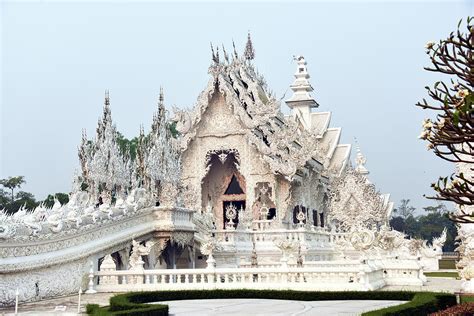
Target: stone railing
<point x="357" y="278"/>
<point x="403" y="272"/>
<point x="314" y="276"/>
<point x="308" y="264"/>
<point x="318" y="238"/>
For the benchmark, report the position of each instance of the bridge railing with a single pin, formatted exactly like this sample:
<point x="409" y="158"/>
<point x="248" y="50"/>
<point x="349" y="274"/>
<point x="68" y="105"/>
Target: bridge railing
<point x="356" y="277"/>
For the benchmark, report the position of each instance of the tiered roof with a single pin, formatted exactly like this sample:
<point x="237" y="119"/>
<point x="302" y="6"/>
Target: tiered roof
<point x="289" y="148"/>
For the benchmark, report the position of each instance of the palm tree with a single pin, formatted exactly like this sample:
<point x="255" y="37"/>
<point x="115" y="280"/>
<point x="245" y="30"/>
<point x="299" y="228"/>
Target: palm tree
<point x="12" y="183"/>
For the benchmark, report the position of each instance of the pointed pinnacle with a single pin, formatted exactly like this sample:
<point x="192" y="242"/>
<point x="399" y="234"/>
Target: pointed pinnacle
<point x="162" y="95"/>
<point x="107" y="97"/>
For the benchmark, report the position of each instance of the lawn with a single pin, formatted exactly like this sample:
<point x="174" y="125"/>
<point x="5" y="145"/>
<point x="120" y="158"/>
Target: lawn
<point x="466" y="299"/>
<point x="447" y="264"/>
<point x="442" y="274"/>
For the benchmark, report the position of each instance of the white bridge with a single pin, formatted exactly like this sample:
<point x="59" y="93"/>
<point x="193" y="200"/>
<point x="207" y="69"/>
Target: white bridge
<point x="49" y="264"/>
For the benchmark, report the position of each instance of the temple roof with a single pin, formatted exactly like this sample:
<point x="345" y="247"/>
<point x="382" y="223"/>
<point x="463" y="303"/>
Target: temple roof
<point x="285" y="145"/>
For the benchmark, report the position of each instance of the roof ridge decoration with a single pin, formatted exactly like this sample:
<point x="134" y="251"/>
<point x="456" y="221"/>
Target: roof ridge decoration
<point x="352" y="185"/>
<point x="360" y="160"/>
<point x="287" y="148"/>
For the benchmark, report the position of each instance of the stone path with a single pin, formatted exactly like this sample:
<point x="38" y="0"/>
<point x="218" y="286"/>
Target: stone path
<point x="46" y="307"/>
<point x="450" y="285"/>
<point x="264" y="307"/>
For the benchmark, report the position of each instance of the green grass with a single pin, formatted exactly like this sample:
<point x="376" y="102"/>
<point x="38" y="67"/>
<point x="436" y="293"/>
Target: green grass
<point x="447" y="264"/>
<point x="442" y="274"/>
<point x="134" y="303"/>
<point x="467" y="299"/>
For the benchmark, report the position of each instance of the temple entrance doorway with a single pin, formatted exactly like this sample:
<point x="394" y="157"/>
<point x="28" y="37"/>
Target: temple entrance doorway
<point x="224" y="188"/>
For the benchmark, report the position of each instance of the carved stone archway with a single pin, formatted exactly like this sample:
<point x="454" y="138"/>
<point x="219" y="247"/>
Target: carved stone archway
<point x="223" y="184"/>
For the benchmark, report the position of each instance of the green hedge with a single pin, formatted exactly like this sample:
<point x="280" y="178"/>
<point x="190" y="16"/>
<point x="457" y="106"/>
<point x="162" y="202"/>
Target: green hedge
<point x="134" y="303"/>
<point x="423" y="303"/>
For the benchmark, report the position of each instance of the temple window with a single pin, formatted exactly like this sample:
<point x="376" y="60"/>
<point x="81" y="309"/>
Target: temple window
<point x="234" y="187"/>
<point x="271" y="213"/>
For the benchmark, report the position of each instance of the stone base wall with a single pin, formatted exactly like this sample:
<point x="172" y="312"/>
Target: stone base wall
<point x="53" y="281"/>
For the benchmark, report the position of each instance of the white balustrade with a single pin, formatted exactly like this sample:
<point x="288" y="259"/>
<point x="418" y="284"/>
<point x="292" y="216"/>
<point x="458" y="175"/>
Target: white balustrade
<point x="331" y="277"/>
<point x="316" y="238"/>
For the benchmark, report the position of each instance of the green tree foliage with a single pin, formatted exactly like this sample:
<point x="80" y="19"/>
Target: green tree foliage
<point x="426" y="226"/>
<point x="173" y="130"/>
<point x="4" y="198"/>
<point x="63" y="198"/>
<point x="404" y="210"/>
<point x="24" y="199"/>
<point x="12" y="183"/>
<point x="127" y="146"/>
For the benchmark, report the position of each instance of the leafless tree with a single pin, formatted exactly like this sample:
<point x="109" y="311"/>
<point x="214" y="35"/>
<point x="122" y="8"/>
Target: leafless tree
<point x="451" y="134"/>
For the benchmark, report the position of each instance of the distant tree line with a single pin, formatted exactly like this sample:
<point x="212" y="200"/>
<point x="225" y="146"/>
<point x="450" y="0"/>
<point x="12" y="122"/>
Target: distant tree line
<point x="426" y="226"/>
<point x="12" y="202"/>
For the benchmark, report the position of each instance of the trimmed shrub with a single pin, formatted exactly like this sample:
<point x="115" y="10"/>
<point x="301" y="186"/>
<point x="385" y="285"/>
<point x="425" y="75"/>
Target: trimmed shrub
<point x="134" y="303"/>
<point x="423" y="303"/>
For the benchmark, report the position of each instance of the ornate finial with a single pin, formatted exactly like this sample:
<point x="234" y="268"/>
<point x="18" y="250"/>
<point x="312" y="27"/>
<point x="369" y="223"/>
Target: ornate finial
<point x="301" y="87"/>
<point x="226" y="57"/>
<point x="162" y="96"/>
<point x="249" y="50"/>
<point x="215" y="58"/>
<point x="107" y="97"/>
<point x="235" y="51"/>
<point x="360" y="160"/>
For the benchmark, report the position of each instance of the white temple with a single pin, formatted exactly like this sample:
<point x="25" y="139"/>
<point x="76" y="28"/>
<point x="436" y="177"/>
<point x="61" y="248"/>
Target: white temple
<point x="243" y="196"/>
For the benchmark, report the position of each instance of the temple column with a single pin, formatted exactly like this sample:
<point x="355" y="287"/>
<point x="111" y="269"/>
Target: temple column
<point x="192" y="257"/>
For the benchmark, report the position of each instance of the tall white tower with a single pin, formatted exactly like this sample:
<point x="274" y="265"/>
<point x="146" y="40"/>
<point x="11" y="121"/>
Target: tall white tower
<point x="301" y="101"/>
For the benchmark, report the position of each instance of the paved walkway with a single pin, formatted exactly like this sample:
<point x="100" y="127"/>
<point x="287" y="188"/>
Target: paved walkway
<point x="450" y="285"/>
<point x="46" y="307"/>
<point x="264" y="307"/>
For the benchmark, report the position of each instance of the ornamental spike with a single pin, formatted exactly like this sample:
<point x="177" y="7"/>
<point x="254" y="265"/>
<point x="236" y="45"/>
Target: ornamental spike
<point x="107" y="97"/>
<point x="162" y="96"/>
<point x="226" y="57"/>
<point x="235" y="50"/>
<point x="249" y="50"/>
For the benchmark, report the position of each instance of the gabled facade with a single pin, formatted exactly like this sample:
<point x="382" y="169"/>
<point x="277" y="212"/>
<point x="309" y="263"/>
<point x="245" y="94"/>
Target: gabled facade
<point x="237" y="131"/>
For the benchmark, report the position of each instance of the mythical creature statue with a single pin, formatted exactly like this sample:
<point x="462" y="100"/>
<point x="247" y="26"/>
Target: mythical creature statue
<point x="182" y="119"/>
<point x="135" y="261"/>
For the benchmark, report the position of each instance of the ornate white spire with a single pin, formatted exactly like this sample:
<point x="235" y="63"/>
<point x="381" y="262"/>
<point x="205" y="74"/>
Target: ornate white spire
<point x="249" y="50"/>
<point x="301" y="87"/>
<point x="360" y="161"/>
<point x="301" y="101"/>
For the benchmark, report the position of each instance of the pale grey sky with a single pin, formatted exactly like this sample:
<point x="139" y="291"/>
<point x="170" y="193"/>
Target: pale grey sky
<point x="366" y="61"/>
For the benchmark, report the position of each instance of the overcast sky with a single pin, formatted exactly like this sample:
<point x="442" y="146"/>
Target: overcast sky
<point x="365" y="59"/>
